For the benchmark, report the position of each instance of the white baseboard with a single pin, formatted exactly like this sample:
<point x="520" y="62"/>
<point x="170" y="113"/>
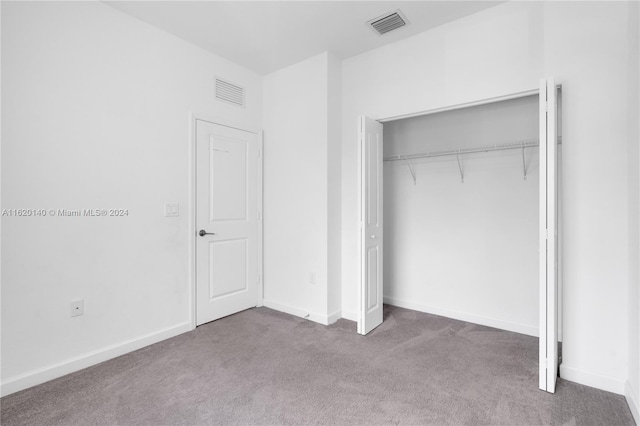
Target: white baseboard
<point x="334" y="317"/>
<point x="463" y="316"/>
<point x="297" y="312"/>
<point x="41" y="375"/>
<point x="633" y="401"/>
<point x="351" y="316"/>
<point x="593" y="380"/>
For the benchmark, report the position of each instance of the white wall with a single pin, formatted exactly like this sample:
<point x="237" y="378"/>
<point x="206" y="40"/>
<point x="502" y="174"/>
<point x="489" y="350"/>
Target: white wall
<point x="300" y="211"/>
<point x="464" y="250"/>
<point x="503" y="50"/>
<point x="633" y="384"/>
<point x="95" y="112"/>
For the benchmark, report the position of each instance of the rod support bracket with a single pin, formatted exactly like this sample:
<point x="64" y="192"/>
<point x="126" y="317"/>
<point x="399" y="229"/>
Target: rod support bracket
<point x="524" y="164"/>
<point x="460" y="167"/>
<point x="411" y="170"/>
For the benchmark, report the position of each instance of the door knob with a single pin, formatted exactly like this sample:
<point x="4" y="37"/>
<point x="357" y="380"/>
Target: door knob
<point x="203" y="233"/>
<point x="373" y="237"/>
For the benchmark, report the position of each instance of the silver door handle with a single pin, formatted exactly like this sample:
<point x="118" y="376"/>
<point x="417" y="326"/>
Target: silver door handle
<point x="203" y="233"/>
<point x="373" y="237"/>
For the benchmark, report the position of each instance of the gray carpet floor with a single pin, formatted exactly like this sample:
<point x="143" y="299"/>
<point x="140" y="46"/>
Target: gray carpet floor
<point x="265" y="367"/>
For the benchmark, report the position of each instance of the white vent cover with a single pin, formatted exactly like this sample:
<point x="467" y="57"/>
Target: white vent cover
<point x="388" y="22"/>
<point x="229" y="92"/>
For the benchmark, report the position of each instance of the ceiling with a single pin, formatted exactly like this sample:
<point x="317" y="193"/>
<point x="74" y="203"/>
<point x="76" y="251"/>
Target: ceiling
<point x="265" y="36"/>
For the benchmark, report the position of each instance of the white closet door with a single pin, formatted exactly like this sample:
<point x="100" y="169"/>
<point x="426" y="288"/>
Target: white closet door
<point x="548" y="236"/>
<point x="370" y="147"/>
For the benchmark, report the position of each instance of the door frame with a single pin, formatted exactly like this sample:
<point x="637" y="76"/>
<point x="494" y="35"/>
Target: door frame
<point x="191" y="211"/>
<point x="557" y="300"/>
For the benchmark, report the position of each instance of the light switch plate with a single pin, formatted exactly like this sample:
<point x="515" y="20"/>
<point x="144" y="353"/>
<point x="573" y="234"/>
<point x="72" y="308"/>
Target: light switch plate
<point x="172" y="209"/>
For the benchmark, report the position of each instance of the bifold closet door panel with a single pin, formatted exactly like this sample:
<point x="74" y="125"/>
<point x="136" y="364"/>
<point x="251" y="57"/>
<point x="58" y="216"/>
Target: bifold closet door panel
<point x="548" y="299"/>
<point x="371" y="225"/>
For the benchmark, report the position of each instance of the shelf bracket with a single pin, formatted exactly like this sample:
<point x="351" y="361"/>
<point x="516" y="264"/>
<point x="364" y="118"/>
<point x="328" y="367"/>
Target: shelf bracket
<point x="460" y="167"/>
<point x="524" y="164"/>
<point x="411" y="170"/>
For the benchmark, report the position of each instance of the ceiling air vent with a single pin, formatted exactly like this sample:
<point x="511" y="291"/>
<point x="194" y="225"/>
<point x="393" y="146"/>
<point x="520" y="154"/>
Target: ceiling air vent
<point x="229" y="92"/>
<point x="388" y="22"/>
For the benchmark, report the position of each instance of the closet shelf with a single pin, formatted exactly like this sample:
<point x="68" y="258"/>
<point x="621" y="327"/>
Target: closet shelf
<point x="470" y="150"/>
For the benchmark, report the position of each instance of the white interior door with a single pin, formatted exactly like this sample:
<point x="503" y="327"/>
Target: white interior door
<point x="227" y="221"/>
<point x="548" y="236"/>
<point x="370" y="184"/>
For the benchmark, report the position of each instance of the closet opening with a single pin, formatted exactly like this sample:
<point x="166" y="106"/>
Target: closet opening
<point x="464" y="211"/>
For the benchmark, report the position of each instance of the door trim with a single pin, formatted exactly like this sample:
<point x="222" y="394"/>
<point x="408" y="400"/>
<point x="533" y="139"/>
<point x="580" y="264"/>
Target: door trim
<point x="191" y="211"/>
<point x="463" y="105"/>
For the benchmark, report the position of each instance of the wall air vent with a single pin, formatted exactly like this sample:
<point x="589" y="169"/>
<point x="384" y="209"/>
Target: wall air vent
<point x="388" y="22"/>
<point x="229" y="92"/>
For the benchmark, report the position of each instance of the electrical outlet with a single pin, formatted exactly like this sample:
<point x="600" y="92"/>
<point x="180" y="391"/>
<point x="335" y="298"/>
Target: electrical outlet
<point x="77" y="308"/>
<point x="312" y="278"/>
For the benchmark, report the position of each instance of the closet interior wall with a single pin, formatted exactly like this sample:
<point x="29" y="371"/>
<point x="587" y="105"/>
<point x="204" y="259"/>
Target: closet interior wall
<point x="466" y="250"/>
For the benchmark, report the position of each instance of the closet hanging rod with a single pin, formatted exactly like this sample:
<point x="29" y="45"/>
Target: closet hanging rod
<point x="498" y="147"/>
